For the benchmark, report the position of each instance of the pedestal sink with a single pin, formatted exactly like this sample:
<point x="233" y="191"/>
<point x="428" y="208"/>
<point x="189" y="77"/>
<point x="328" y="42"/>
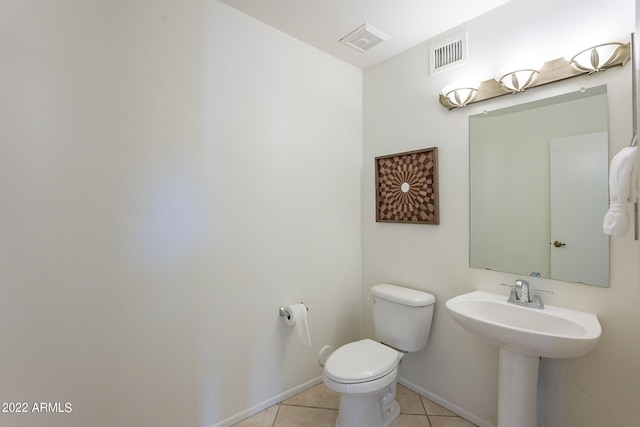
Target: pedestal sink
<point x="523" y="335"/>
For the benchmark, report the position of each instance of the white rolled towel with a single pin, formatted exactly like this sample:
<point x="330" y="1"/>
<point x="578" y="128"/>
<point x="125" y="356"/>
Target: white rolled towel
<point x="622" y="188"/>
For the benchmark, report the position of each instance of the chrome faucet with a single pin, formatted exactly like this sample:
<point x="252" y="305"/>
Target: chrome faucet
<point x="520" y="295"/>
<point x="522" y="290"/>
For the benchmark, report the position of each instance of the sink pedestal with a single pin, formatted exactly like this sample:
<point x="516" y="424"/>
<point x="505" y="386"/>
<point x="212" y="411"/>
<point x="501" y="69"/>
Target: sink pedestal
<point x="517" y="389"/>
<point x="523" y="335"/>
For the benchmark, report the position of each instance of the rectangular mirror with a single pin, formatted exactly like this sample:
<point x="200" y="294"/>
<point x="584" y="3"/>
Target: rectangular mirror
<point x="539" y="188"/>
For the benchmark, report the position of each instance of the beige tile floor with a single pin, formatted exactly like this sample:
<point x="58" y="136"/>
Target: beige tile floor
<point x="318" y="407"/>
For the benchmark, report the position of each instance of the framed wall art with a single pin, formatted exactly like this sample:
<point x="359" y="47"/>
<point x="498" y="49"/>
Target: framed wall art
<point x="407" y="187"/>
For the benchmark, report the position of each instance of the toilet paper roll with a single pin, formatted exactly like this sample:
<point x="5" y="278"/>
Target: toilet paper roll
<point x="298" y="318"/>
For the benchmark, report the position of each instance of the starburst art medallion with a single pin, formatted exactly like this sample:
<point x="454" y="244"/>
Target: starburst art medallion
<point x="407" y="187"/>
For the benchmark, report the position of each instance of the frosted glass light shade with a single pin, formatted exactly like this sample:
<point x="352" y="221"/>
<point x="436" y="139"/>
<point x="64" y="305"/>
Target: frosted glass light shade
<point x="596" y="58"/>
<point x="518" y="80"/>
<point x="460" y="94"/>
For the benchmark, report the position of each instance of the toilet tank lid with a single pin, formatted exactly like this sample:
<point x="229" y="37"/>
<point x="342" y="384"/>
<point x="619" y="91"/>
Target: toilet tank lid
<point x="402" y="295"/>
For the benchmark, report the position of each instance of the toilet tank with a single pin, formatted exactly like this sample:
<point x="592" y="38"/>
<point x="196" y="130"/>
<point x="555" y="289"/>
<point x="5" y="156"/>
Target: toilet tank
<point x="402" y="316"/>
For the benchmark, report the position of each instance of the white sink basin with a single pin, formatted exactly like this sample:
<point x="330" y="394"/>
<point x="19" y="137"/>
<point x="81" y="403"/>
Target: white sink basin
<point x="552" y="332"/>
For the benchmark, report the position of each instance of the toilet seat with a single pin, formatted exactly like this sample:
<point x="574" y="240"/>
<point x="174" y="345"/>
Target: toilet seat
<point x="361" y="361"/>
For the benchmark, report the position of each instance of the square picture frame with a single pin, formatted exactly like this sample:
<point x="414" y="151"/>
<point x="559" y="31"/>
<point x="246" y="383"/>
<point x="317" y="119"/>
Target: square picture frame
<point x="407" y="187"/>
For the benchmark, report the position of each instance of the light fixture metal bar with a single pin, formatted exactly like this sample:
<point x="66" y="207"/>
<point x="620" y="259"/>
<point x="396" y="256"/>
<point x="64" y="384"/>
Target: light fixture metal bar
<point x="552" y="71"/>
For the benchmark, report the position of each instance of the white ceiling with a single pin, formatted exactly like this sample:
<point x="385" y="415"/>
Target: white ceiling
<point x="322" y="23"/>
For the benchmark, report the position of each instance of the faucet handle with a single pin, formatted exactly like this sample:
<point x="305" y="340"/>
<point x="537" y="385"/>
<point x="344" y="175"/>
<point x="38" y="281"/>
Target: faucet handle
<point x="512" y="295"/>
<point x="536" y="297"/>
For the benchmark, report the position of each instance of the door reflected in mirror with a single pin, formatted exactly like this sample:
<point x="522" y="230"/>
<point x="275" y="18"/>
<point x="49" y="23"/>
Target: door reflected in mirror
<point x="539" y="188"/>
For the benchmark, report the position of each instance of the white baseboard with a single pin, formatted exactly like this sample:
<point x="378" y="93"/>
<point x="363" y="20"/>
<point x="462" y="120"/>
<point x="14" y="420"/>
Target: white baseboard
<point x="268" y="403"/>
<point x="450" y="406"/>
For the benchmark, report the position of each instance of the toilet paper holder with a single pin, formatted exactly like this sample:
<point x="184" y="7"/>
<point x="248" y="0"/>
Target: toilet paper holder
<point x="284" y="313"/>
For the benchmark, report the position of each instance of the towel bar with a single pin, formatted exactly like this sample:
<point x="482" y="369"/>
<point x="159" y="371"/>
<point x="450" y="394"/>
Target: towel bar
<point x="635" y="89"/>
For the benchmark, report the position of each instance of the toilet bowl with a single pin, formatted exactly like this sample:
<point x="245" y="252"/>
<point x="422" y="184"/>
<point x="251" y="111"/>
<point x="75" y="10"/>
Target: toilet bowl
<point x="365" y="373"/>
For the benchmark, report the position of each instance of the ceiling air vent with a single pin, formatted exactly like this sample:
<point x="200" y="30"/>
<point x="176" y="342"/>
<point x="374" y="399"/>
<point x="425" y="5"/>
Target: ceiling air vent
<point x="447" y="54"/>
<point x="364" y="38"/>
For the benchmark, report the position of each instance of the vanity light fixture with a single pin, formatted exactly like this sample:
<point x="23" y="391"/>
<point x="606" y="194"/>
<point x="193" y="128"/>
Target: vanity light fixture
<point x="588" y="61"/>
<point x="597" y="58"/>
<point x="460" y="94"/>
<point x="518" y="80"/>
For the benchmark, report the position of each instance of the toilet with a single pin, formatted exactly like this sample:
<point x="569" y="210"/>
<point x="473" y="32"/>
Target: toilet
<point x="365" y="372"/>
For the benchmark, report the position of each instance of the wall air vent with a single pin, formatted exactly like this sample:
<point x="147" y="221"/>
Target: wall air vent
<point x="364" y="38"/>
<point x="449" y="53"/>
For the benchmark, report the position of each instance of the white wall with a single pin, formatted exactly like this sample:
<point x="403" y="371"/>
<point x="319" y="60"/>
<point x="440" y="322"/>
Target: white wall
<point x="170" y="173"/>
<point x="402" y="113"/>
